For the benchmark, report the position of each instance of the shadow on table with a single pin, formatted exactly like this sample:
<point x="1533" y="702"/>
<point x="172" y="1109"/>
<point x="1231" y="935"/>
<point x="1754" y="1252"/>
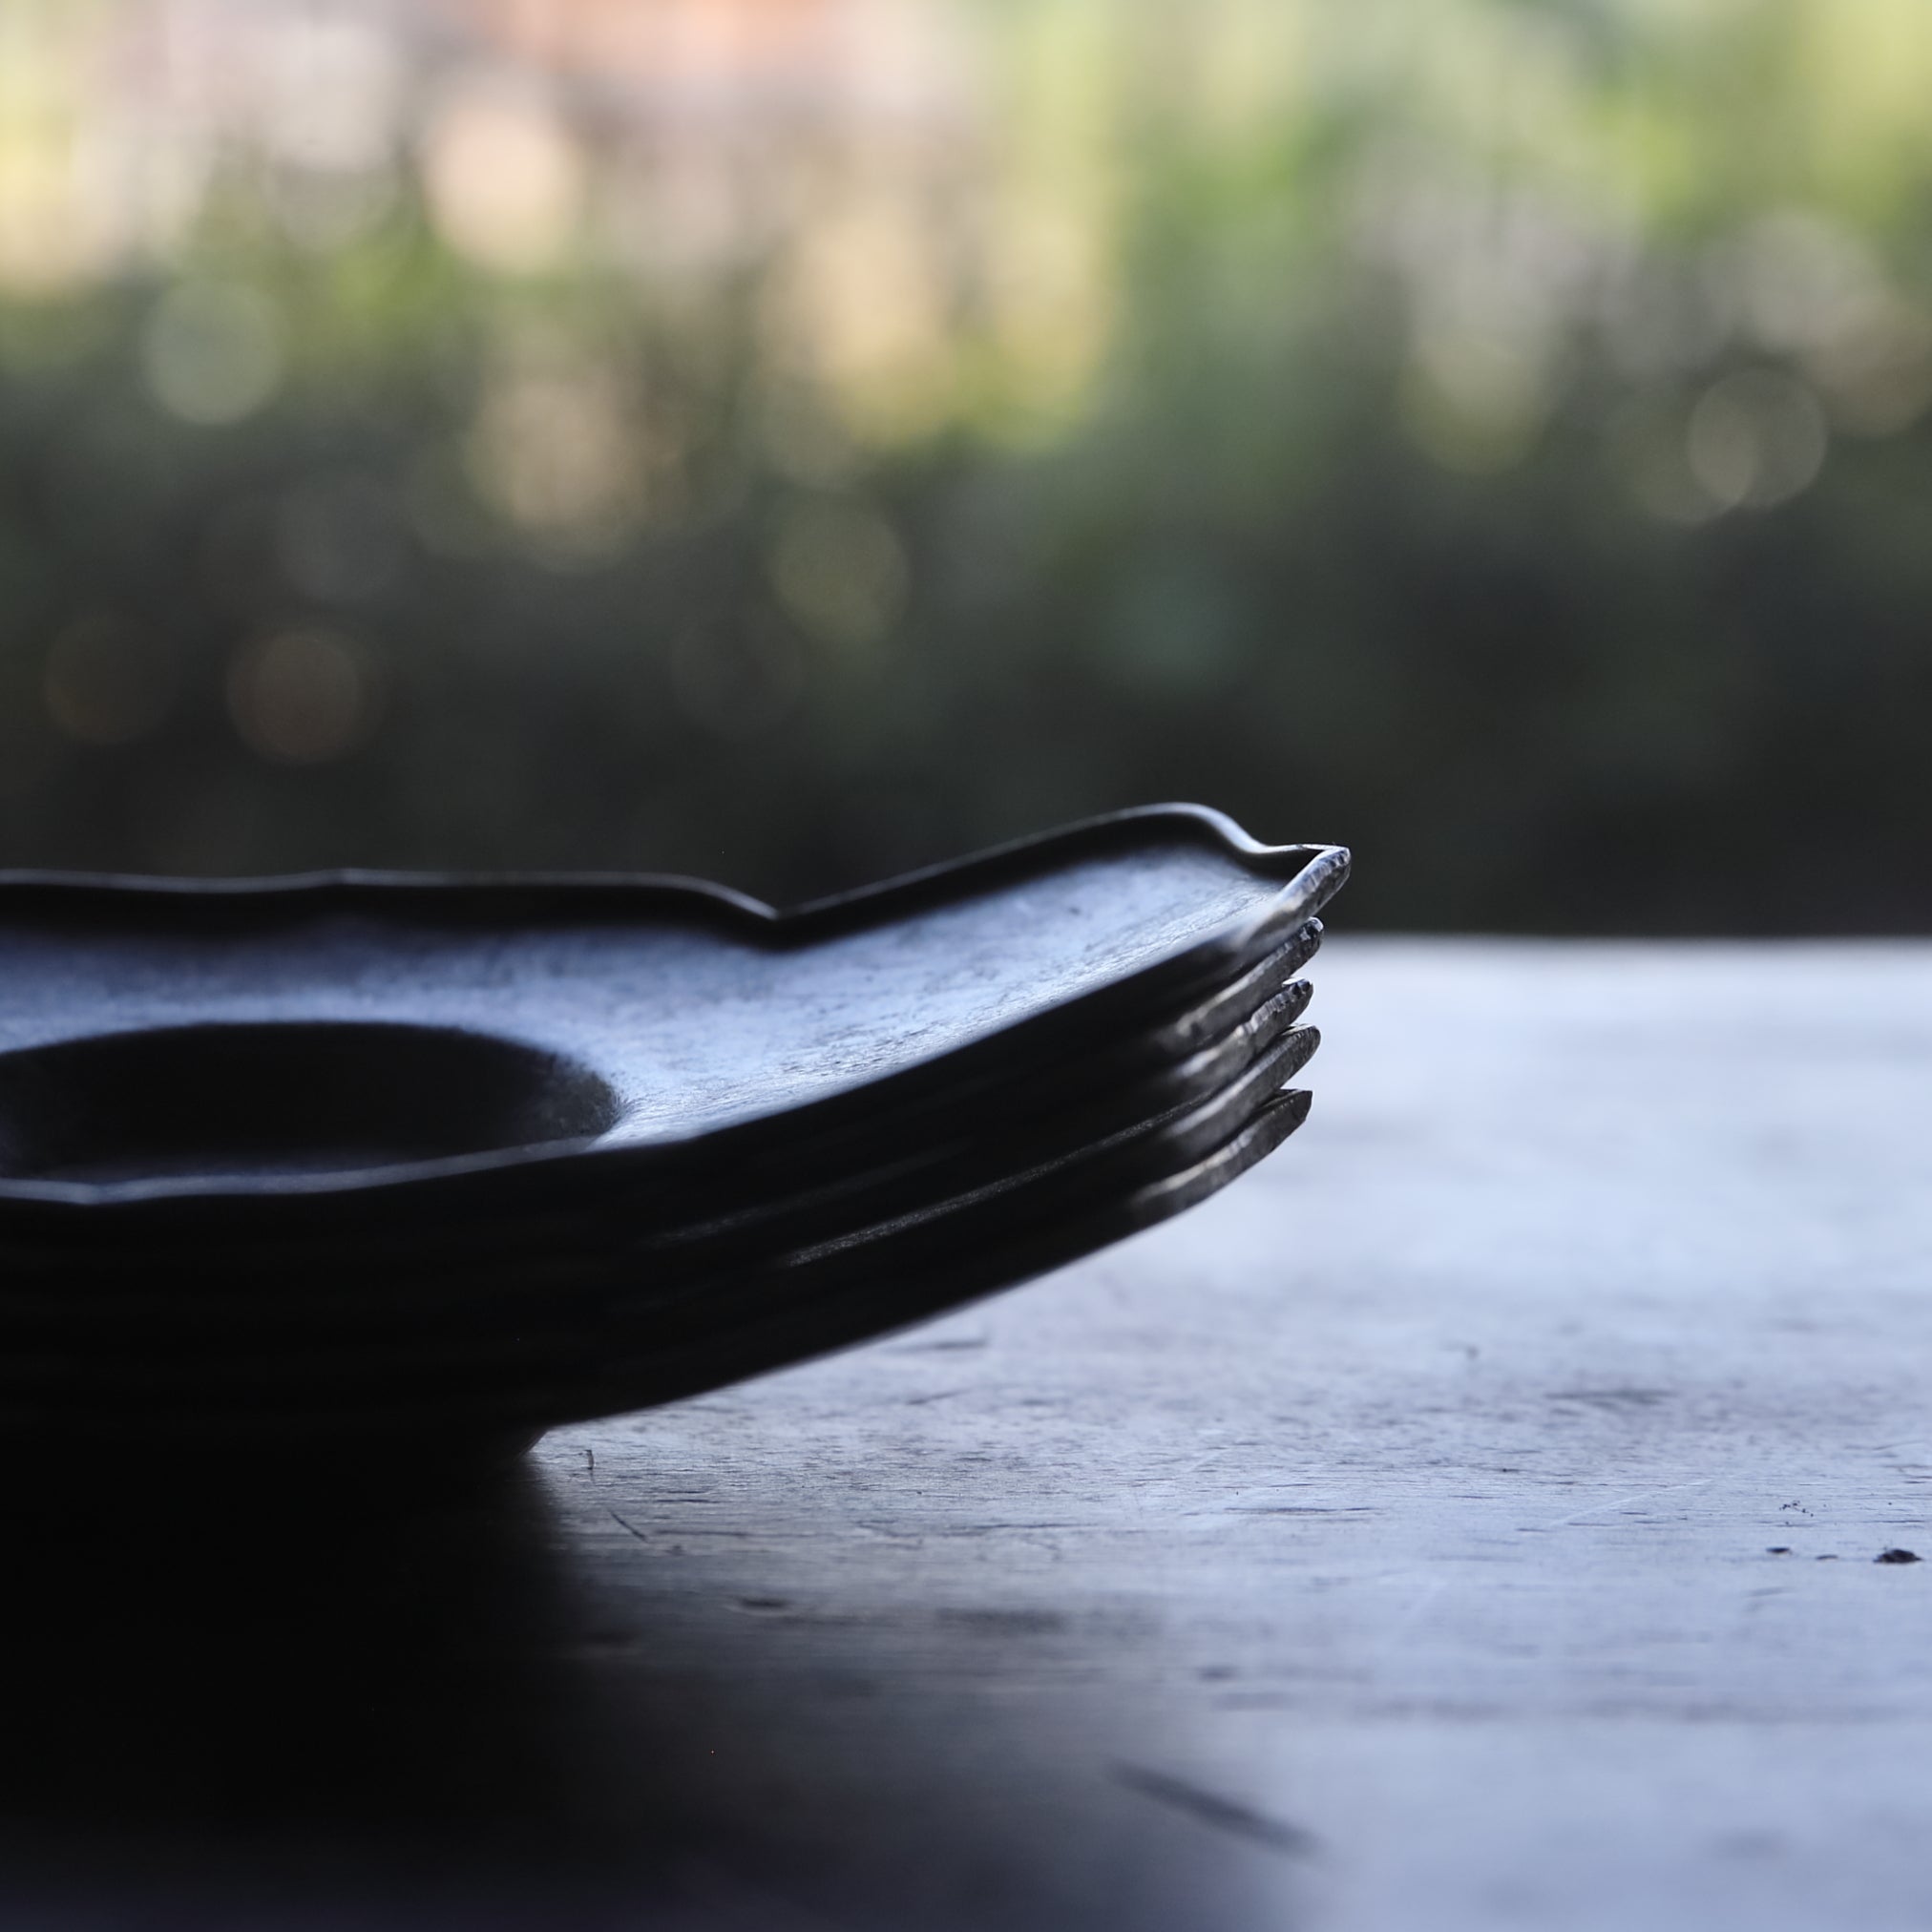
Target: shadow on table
<point x="271" y="1702"/>
<point x="225" y="1695"/>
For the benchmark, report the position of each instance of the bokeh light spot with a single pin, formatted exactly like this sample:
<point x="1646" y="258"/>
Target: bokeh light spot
<point x="1755" y="439"/>
<point x="504" y="175"/>
<point x="212" y="352"/>
<point x="1800" y="280"/>
<point x="1877" y="377"/>
<point x="862" y="305"/>
<point x="556" y="448"/>
<point x="335" y="92"/>
<point x="304" y="697"/>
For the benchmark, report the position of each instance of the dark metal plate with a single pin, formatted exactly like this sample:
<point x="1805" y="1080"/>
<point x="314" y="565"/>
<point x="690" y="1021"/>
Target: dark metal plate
<point x="613" y="1344"/>
<point x="394" y="1035"/>
<point x="344" y="1157"/>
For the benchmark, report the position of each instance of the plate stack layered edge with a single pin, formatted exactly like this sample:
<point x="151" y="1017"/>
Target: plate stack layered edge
<point x="360" y="1157"/>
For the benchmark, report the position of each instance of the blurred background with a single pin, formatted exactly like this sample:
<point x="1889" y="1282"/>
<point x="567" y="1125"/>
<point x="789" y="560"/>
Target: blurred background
<point x="791" y="440"/>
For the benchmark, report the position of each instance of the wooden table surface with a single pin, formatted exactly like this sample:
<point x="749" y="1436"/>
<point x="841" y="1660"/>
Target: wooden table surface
<point x="1469" y="1520"/>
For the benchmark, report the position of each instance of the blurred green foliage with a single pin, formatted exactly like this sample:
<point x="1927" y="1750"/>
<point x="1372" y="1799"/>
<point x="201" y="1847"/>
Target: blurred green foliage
<point x="1490" y="434"/>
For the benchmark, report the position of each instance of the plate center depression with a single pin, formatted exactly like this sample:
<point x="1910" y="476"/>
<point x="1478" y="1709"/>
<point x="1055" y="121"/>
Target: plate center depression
<point x="280" y="1097"/>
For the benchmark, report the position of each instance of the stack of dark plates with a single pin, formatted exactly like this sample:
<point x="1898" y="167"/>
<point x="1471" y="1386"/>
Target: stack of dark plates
<point x="360" y="1157"/>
